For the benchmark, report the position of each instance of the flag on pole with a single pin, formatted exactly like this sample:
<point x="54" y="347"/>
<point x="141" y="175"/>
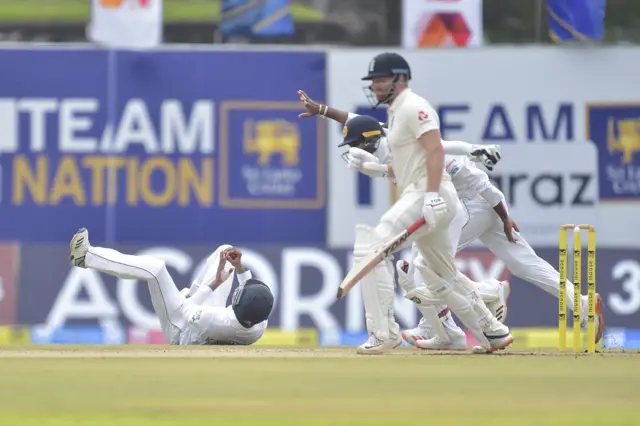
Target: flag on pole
<point x="256" y="18"/>
<point x="581" y="20"/>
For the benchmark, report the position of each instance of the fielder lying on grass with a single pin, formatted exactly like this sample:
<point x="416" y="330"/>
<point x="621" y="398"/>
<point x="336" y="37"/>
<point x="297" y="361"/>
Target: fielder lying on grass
<point x="197" y="315"/>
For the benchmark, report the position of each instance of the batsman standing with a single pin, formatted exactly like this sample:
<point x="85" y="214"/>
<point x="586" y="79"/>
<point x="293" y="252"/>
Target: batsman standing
<point x="425" y="189"/>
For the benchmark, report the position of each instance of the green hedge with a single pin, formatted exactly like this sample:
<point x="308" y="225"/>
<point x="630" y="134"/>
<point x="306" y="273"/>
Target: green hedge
<point x="79" y="10"/>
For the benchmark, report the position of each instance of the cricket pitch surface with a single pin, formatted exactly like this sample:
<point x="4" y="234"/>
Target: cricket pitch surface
<point x="236" y="386"/>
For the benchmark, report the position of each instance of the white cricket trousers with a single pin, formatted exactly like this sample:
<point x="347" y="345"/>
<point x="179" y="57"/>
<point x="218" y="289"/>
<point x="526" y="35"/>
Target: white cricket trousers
<point x="520" y="258"/>
<point x="435" y="244"/>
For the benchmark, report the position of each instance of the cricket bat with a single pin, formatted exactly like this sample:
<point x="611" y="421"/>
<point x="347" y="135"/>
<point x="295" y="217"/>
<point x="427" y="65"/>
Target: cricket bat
<point x="366" y="265"/>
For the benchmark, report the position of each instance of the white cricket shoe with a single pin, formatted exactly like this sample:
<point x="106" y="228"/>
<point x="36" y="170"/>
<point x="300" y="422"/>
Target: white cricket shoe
<point x="436" y="343"/>
<point x="78" y="248"/>
<point x="375" y="346"/>
<point x="499" y="308"/>
<point x="498" y="338"/>
<point x="419" y="337"/>
<point x="417" y="333"/>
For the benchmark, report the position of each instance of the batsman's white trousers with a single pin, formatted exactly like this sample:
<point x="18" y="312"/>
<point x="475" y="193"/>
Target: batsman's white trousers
<point x="434" y="245"/>
<point x="455" y="233"/>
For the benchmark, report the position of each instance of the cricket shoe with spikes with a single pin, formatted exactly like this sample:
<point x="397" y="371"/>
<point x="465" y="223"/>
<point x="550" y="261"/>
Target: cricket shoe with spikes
<point x="375" y="346"/>
<point x="498" y="342"/>
<point x="499" y="308"/>
<point x="424" y="337"/>
<point x="457" y="343"/>
<point x="78" y="248"/>
<point x="421" y="332"/>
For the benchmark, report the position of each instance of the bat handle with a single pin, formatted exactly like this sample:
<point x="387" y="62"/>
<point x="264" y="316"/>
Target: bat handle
<point x="413" y="228"/>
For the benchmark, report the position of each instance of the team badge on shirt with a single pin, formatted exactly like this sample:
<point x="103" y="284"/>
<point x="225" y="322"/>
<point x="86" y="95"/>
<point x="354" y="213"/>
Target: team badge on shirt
<point x="452" y="167"/>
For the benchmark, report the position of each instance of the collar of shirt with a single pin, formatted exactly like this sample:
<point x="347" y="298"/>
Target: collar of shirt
<point x="399" y="100"/>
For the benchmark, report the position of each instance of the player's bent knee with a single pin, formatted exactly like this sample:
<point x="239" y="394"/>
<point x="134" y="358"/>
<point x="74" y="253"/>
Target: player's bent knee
<point x="436" y="285"/>
<point x="154" y="266"/>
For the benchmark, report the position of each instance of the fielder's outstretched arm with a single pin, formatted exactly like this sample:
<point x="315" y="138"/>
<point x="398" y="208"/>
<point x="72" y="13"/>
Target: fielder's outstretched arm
<point x="471" y="182"/>
<point x="315" y="108"/>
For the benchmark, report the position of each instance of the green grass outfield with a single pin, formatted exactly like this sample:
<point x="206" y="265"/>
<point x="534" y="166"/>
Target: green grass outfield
<point x="136" y="385"/>
<point x="79" y="10"/>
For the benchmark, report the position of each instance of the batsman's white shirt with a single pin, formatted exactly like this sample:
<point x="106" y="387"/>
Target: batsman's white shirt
<point x="477" y="195"/>
<point x="410" y="116"/>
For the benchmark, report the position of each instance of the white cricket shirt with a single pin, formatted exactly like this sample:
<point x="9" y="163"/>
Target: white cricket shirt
<point x="410" y="116"/>
<point x="213" y="325"/>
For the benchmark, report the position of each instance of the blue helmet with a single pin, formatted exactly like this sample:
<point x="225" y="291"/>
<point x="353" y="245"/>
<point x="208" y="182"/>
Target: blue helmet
<point x="253" y="303"/>
<point x="386" y="64"/>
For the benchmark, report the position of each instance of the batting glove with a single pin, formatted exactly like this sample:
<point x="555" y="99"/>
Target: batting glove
<point x="489" y="155"/>
<point x="367" y="163"/>
<point x="433" y="209"/>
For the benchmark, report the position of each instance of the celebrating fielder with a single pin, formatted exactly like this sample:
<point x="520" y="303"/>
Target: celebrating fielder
<point x="198" y="315"/>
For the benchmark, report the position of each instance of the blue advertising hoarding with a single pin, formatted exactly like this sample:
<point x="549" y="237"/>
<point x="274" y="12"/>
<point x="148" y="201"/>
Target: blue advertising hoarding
<point x="304" y="281"/>
<point x="615" y="130"/>
<point x="161" y="147"/>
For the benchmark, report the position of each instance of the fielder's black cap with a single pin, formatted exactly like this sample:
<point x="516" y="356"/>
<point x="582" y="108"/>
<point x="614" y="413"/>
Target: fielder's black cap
<point x="360" y="128"/>
<point x="388" y="64"/>
<point x="253" y="303"/>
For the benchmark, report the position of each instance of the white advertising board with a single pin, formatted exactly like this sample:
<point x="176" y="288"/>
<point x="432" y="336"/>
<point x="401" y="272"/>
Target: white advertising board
<point x="566" y="118"/>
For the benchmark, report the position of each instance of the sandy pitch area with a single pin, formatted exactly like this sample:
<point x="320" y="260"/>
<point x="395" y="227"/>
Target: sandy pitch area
<point x="137" y="351"/>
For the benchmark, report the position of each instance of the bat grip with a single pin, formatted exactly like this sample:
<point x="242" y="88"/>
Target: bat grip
<point x="413" y="228"/>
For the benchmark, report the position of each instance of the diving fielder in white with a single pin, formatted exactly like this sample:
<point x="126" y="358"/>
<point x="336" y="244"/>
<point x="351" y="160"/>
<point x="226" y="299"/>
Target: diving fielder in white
<point x="425" y="190"/>
<point x="198" y="315"/>
<point x="483" y="215"/>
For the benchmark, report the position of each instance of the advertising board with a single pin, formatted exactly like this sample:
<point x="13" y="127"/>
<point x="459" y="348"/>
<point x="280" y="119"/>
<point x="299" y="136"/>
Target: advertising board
<point x="570" y="145"/>
<point x="176" y="146"/>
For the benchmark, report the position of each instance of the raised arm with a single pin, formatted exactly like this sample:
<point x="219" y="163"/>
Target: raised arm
<point x="314" y="108"/>
<point x="234" y="256"/>
<point x="201" y="294"/>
